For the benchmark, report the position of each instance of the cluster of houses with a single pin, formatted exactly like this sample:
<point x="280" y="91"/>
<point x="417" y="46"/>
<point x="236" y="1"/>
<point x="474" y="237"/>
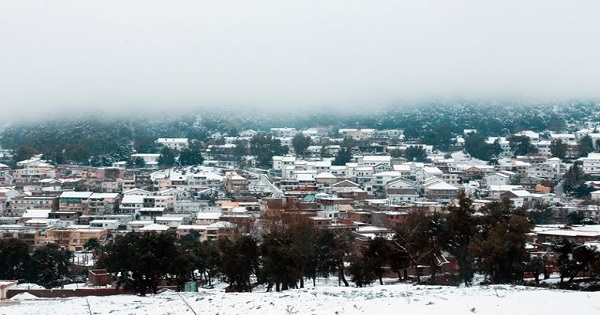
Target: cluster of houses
<point x="68" y="205"/>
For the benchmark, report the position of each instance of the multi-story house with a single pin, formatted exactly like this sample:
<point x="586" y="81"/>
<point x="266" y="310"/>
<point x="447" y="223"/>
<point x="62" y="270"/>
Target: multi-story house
<point x="427" y="172"/>
<point x="104" y="202"/>
<point x="281" y="162"/>
<point x="131" y="203"/>
<point x="499" y="178"/>
<point x="356" y="134"/>
<point x="440" y="191"/>
<point x="74" y="201"/>
<point x="167" y="202"/>
<point x="401" y="190"/>
<point x="591" y="164"/>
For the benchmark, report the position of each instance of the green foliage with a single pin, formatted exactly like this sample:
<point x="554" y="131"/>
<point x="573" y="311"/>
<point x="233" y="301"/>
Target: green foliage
<point x="575" y="218"/>
<point x="24" y="153"/>
<point x="396" y="153"/>
<point x="361" y="271"/>
<point x="326" y="252"/>
<point x="140" y="261"/>
<point x="238" y="261"/>
<point x="377" y="253"/>
<point x="417" y="242"/>
<point x="331" y="249"/>
<point x="536" y="265"/>
<point x="440" y="137"/>
<point x="476" y="146"/>
<point x="343" y="156"/>
<point x="241" y="149"/>
<point x="300" y="143"/>
<point x="458" y="230"/>
<point x="521" y="145"/>
<point x="499" y="247"/>
<point x="585" y="145"/>
<point x="14" y="259"/>
<point x="415" y="153"/>
<point x="575" y="259"/>
<point x="207" y="260"/>
<point x="541" y="214"/>
<point x="139" y="162"/>
<point x="166" y="158"/>
<point x="574" y="182"/>
<point x="92" y="244"/>
<point x="191" y="156"/>
<point x="277" y="261"/>
<point x="49" y="266"/>
<point x="558" y="148"/>
<point x="146" y="144"/>
<point x="264" y="147"/>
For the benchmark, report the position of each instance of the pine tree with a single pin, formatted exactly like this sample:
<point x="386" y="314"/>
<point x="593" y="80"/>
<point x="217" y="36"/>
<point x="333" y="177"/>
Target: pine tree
<point x="499" y="247"/>
<point x="49" y="266"/>
<point x="238" y="261"/>
<point x="457" y="231"/>
<point x="377" y="255"/>
<point x="166" y="158"/>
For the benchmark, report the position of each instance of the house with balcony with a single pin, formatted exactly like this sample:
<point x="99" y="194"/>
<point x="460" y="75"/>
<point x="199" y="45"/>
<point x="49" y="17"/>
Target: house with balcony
<point x="590" y="164"/>
<point x="131" y="203"/>
<point x="74" y="201"/>
<point x="23" y="202"/>
<point x="104" y="202"/>
<point x="440" y="191"/>
<point x="149" y="213"/>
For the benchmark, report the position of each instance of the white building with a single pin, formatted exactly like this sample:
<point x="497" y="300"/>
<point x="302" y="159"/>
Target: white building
<point x="357" y="134"/>
<point x="281" y="162"/>
<point x="174" y="143"/>
<point x="283" y="132"/>
<point x="591" y="163"/>
<point x="150" y="159"/>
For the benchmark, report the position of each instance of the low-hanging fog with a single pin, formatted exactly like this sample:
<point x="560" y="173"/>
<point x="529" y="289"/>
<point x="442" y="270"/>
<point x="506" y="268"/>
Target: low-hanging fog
<point x="64" y="57"/>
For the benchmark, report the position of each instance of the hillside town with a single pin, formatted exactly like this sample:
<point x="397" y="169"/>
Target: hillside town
<point x="368" y="195"/>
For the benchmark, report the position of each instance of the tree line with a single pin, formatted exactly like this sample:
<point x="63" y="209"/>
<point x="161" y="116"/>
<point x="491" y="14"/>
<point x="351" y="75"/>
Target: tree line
<point x="47" y="265"/>
<point x="290" y="250"/>
<point x="285" y="251"/>
<point x="99" y="141"/>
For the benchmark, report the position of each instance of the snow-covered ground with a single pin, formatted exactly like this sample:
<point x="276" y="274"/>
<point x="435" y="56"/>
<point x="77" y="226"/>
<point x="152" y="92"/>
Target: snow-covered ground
<point x="326" y="299"/>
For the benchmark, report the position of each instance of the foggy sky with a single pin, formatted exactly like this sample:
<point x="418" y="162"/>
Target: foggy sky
<point x="117" y="55"/>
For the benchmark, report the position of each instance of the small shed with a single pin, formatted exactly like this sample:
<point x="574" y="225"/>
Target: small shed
<point x="98" y="277"/>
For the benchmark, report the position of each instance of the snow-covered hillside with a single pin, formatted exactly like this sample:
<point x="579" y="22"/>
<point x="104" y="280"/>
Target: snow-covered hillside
<point x="327" y="299"/>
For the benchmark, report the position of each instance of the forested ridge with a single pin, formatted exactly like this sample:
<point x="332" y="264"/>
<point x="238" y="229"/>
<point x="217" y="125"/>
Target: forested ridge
<point x="101" y="140"/>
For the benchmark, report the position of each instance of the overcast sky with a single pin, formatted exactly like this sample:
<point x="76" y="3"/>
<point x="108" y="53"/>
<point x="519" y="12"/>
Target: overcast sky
<point x="262" y="53"/>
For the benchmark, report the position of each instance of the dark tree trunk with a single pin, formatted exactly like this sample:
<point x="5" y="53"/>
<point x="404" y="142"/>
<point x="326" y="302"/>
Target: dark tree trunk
<point x="417" y="273"/>
<point x="342" y="277"/>
<point x="433" y="269"/>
